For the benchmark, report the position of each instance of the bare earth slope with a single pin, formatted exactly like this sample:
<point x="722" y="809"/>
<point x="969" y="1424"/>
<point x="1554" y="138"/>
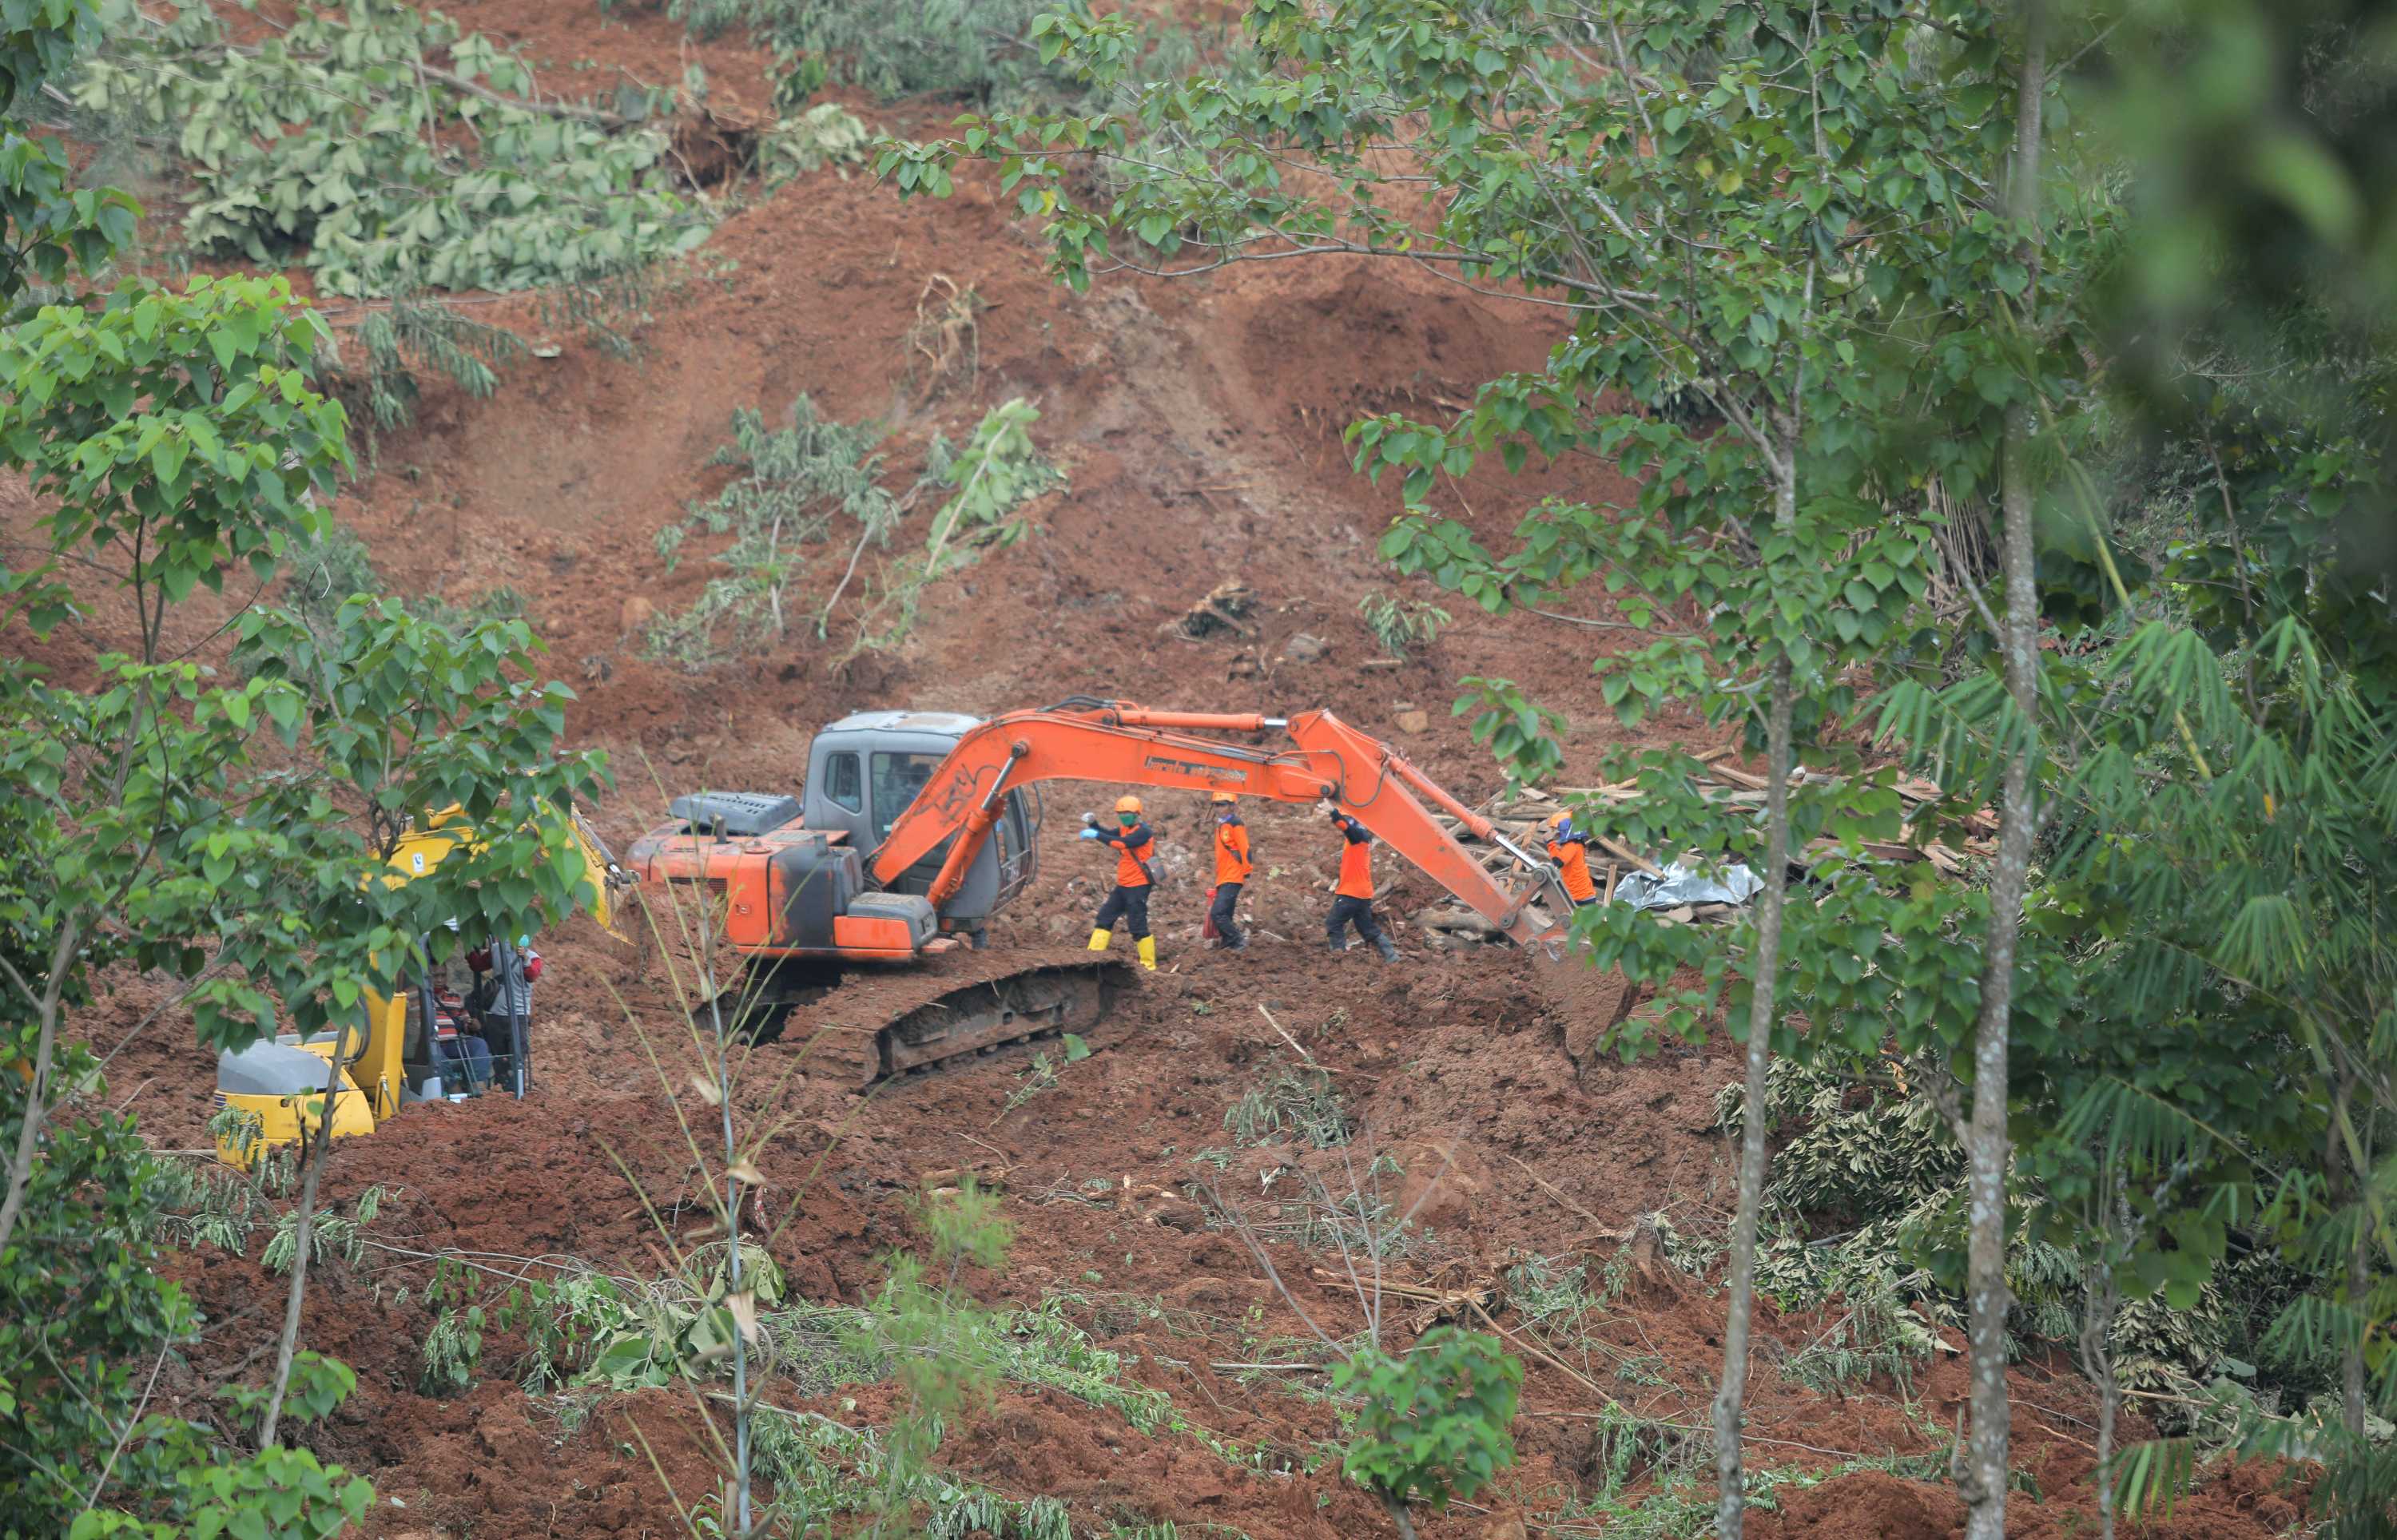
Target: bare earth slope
<point x="1199" y="425"/>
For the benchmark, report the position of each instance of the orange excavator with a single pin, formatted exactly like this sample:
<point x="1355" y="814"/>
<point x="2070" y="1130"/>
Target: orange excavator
<point x="868" y="903"/>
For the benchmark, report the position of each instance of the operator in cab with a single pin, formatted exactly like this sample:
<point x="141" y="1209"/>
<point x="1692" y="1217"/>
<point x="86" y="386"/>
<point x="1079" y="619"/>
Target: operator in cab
<point x="1352" y="899"/>
<point x="1134" y="847"/>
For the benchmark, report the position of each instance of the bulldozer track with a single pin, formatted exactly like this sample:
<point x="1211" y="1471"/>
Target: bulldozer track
<point x="875" y="1023"/>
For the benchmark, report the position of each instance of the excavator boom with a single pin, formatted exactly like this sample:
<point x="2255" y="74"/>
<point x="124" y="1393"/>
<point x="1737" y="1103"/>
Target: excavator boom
<point x="873" y="955"/>
<point x="1121" y="743"/>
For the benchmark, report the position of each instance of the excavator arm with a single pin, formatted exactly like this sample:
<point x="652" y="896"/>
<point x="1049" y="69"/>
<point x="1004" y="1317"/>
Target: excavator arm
<point x="608" y="880"/>
<point x="1121" y="743"/>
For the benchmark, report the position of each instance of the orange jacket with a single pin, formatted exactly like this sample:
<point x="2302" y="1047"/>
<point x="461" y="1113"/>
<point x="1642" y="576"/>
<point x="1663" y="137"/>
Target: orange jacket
<point x="1232" y="864"/>
<point x="1134" y="847"/>
<point x="1572" y="856"/>
<point x="1356" y="858"/>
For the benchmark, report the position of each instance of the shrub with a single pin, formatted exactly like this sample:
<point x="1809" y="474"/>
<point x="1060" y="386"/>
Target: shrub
<point x="990" y="480"/>
<point x="83" y="1310"/>
<point x="976" y="51"/>
<point x="1436" y="1422"/>
<point x="1399" y="624"/>
<point x="372" y="367"/>
<point x="1294" y="1104"/>
<point x="794" y="483"/>
<point x="825" y="135"/>
<point x="326" y="572"/>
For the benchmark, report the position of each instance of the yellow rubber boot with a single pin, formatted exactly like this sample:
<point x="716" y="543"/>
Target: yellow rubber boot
<point x="1099" y="940"/>
<point x="1148" y="952"/>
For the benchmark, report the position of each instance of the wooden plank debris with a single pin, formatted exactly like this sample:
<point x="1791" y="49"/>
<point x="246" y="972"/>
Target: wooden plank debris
<point x="1519" y="817"/>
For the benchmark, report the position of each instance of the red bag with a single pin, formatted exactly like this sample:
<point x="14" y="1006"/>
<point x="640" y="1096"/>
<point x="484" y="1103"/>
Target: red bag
<point x="1207" y="931"/>
<point x="533" y="967"/>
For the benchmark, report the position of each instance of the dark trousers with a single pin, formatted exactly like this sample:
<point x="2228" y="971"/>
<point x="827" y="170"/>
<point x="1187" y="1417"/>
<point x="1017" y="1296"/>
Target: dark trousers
<point x="1347" y="911"/>
<point x="1127" y="904"/>
<point x="510" y="1038"/>
<point x="466" y="1060"/>
<point x="1227" y="900"/>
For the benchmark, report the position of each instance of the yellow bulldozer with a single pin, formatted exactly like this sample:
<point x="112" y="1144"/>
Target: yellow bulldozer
<point x="269" y="1092"/>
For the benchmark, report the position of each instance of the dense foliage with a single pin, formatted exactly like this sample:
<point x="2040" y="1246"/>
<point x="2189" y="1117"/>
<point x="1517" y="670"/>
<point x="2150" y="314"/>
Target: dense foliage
<point x="1906" y="326"/>
<point x="341" y="143"/>
<point x="173" y="441"/>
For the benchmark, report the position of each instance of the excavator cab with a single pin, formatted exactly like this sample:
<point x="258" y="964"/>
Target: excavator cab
<point x="866" y="769"/>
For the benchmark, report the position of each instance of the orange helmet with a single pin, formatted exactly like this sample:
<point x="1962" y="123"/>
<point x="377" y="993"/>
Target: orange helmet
<point x="1222" y="797"/>
<point x="1127" y="805"/>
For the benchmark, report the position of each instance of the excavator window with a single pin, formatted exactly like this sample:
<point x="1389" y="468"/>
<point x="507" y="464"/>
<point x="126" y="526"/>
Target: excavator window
<point x="897" y="778"/>
<point x="843" y="784"/>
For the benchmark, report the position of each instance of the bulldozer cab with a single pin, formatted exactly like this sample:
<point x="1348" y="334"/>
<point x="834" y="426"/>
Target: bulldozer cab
<point x="864" y="770"/>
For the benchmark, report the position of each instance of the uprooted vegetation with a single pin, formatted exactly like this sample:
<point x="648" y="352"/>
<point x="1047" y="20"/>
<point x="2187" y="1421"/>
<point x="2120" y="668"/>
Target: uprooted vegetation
<point x="817" y="481"/>
<point x="401" y="160"/>
<point x="428" y="178"/>
<point x="985" y="53"/>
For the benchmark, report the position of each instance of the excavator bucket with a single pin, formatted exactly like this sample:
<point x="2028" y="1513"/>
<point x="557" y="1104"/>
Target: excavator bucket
<point x="869" y="1023"/>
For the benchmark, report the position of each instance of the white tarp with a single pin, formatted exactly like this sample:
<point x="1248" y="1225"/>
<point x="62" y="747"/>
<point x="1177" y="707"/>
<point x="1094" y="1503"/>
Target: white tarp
<point x="1677" y="884"/>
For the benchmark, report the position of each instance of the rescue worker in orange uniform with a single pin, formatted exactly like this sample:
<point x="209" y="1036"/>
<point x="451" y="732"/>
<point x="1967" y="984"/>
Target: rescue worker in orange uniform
<point x="1352" y="900"/>
<point x="1232" y="868"/>
<point x="1134" y="847"/>
<point x="1569" y="847"/>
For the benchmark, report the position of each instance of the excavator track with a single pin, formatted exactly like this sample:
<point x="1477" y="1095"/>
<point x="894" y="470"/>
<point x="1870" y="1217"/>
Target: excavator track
<point x="869" y="1023"/>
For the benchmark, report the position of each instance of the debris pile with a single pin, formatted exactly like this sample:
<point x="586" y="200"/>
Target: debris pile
<point x="1681" y="886"/>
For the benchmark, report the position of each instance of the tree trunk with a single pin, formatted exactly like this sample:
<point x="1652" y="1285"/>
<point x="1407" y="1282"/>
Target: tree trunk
<point x="37" y="1114"/>
<point x="1730" y="1497"/>
<point x="312" y="1160"/>
<point x="2359" y="1257"/>
<point x="2101" y="1296"/>
<point x="1986" y="1147"/>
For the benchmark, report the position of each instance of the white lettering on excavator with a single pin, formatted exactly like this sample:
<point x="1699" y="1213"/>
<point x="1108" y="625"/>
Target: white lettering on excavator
<point x="1204" y="771"/>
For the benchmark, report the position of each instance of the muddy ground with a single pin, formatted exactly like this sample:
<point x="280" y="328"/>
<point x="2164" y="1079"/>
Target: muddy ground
<point x="1199" y="425"/>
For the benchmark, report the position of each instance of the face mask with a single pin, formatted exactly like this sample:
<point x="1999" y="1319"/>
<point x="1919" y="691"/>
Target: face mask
<point x="1127" y="819"/>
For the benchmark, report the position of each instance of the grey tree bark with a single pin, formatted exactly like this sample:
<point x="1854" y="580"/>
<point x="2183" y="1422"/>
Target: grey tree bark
<point x="1731" y="1480"/>
<point x="1983" y="1483"/>
<point x="312" y="1160"/>
<point x="37" y="1086"/>
<point x="2101" y="1299"/>
<point x="2347" y="1186"/>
